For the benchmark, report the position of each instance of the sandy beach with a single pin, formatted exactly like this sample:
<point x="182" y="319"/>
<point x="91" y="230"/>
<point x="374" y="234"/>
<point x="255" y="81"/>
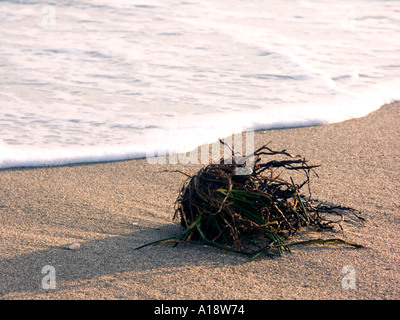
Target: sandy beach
<point x="111" y="208"/>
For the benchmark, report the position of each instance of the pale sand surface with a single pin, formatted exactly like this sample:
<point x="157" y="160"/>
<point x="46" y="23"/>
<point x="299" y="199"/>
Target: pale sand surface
<point x="111" y="208"/>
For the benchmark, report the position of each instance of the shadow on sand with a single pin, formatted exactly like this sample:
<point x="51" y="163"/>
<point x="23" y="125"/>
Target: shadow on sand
<point x="113" y="255"/>
<point x="107" y="256"/>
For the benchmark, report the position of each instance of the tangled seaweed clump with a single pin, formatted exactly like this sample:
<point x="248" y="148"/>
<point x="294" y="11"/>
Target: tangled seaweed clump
<point x="253" y="212"/>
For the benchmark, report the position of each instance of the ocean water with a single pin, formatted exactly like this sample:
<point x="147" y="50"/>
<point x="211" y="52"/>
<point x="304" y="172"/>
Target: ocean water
<point x="103" y="80"/>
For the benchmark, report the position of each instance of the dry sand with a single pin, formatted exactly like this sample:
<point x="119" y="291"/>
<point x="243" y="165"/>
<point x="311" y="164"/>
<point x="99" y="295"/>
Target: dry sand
<point x="111" y="208"/>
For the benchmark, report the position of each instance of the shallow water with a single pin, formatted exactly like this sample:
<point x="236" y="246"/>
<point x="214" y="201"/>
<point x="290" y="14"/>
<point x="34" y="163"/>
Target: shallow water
<point x="109" y="80"/>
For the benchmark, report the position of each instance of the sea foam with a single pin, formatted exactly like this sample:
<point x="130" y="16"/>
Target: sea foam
<point x="89" y="82"/>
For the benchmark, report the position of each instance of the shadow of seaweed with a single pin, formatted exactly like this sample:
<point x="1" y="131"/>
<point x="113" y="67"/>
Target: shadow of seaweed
<point x="107" y="256"/>
<point x="117" y="254"/>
